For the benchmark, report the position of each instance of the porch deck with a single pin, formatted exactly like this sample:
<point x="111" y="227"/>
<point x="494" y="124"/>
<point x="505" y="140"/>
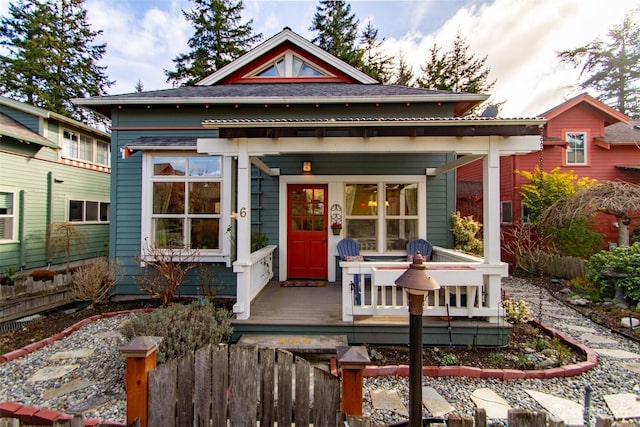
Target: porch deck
<point x="318" y="311"/>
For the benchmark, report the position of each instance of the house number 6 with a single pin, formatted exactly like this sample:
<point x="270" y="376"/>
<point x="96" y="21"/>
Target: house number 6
<point x="243" y="212"/>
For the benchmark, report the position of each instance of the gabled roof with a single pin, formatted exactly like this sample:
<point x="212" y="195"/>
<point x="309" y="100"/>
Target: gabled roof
<point x="12" y="129"/>
<point x="609" y="114"/>
<point x="286" y="36"/>
<point x="623" y="133"/>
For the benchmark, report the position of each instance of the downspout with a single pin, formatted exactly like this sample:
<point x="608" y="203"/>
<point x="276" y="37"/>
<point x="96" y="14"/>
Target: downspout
<point x="23" y="243"/>
<point x="48" y="215"/>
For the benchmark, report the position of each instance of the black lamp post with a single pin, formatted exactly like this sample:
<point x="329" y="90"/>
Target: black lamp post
<point x="417" y="282"/>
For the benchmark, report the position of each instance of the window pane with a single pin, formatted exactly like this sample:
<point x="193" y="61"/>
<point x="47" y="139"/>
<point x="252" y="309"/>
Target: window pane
<point x="401" y="199"/>
<point x="102" y="153"/>
<point x="168" y="233"/>
<point x="164" y="165"/>
<point x="205" y="166"/>
<point x="399" y="232"/>
<point x="204" y="233"/>
<point x="168" y="197"/>
<point x="576" y="148"/>
<point x="86" y="148"/>
<point x="69" y="144"/>
<point x="92" y="211"/>
<point x="6" y="228"/>
<point x="76" y="210"/>
<point x="308" y="71"/>
<point x="361" y="199"/>
<point x="104" y="211"/>
<point x="6" y="203"/>
<point x="204" y="197"/>
<point x="364" y="231"/>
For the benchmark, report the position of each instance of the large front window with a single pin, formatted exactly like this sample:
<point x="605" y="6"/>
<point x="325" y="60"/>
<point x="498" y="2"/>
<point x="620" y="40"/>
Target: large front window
<point x="577" y="148"/>
<point x="382" y="216"/>
<point x="7" y="216"/>
<point x="186" y="202"/>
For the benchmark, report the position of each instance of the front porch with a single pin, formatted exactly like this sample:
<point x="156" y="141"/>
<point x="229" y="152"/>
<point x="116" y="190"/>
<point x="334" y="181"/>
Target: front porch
<point x="469" y="297"/>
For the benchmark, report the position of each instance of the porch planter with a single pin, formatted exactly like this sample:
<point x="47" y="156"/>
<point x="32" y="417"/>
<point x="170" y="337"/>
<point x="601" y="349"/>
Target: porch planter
<point x="336" y="230"/>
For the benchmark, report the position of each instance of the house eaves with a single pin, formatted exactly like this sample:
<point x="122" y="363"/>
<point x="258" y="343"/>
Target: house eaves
<point x="286" y="35"/>
<point x="13" y="129"/>
<point x="609" y="114"/>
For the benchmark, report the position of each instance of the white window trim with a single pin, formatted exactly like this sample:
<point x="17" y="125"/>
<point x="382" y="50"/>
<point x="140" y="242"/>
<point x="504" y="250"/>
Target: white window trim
<point x="95" y="142"/>
<point x="69" y="199"/>
<point x="586" y="149"/>
<point x="223" y="254"/>
<point x="288" y="57"/>
<point x="14" y="232"/>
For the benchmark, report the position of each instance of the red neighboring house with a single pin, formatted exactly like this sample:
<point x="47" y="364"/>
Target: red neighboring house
<point x="582" y="135"/>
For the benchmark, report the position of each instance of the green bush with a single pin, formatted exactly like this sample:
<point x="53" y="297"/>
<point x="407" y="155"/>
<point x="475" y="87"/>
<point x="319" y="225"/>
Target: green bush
<point x="465" y="234"/>
<point x="516" y="312"/>
<point x="576" y="239"/>
<point x="621" y="259"/>
<point x="184" y="328"/>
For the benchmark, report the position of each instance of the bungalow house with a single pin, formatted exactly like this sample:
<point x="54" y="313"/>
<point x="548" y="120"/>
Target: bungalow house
<point x="286" y="141"/>
<point x="582" y="135"/>
<point x="53" y="170"/>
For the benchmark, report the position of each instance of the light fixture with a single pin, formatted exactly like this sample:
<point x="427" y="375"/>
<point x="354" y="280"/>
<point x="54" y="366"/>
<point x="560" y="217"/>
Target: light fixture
<point x="306" y="166"/>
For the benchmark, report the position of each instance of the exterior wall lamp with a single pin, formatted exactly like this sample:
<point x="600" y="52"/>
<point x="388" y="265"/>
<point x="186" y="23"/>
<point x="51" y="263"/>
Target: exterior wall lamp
<point x="306" y="166"/>
<point x="416" y="281"/>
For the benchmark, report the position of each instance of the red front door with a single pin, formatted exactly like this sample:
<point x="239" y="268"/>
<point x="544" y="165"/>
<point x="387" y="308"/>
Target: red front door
<point x="307" y="231"/>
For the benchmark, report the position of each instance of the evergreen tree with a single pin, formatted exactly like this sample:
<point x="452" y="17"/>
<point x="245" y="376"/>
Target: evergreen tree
<point x="219" y="39"/>
<point x="612" y="67"/>
<point x="403" y="74"/>
<point x="49" y="57"/>
<point x="337" y="31"/>
<point x="375" y="63"/>
<point x="456" y="70"/>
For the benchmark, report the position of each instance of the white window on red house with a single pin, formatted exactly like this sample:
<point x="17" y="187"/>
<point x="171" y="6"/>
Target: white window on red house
<point x="577" y="148"/>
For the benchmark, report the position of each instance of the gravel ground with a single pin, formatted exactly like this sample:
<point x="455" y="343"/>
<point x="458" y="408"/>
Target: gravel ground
<point x="104" y="369"/>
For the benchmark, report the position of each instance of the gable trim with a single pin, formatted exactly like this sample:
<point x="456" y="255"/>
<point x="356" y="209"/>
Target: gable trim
<point x="286" y="35"/>
<point x="612" y="115"/>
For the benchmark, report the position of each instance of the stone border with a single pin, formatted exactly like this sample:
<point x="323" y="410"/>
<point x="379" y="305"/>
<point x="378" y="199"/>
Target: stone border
<point x="571" y="370"/>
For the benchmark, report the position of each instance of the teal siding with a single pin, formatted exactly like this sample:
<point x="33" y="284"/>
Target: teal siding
<point x="32" y="177"/>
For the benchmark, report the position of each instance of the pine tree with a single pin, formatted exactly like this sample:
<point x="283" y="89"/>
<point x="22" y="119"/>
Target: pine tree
<point x="403" y="74"/>
<point x="219" y="39"/>
<point x="375" y="63"/>
<point x="49" y="56"/>
<point x="337" y="31"/>
<point x="612" y="67"/>
<point x="456" y="70"/>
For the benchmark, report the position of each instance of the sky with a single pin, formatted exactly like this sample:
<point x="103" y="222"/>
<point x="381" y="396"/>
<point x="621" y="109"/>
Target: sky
<point x="519" y="38"/>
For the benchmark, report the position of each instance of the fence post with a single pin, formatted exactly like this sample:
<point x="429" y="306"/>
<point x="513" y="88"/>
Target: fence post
<point x="141" y="358"/>
<point x="353" y="361"/>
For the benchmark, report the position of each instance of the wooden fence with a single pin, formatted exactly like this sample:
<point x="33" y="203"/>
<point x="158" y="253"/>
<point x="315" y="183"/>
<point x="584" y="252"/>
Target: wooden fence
<point x="243" y="385"/>
<point x="30" y="297"/>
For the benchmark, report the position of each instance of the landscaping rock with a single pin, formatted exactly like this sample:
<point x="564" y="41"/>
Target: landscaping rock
<point x="630" y="322"/>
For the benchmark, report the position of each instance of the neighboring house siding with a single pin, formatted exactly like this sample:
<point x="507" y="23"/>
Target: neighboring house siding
<point x="28" y="120"/>
<point x="31" y="175"/>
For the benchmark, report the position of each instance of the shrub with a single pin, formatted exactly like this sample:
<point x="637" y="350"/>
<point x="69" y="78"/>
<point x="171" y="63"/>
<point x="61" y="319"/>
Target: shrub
<point x="258" y="241"/>
<point x="43" y="275"/>
<point x="621" y="259"/>
<point x="465" y="231"/>
<point x="92" y="282"/>
<point x="184" y="328"/>
<point x="516" y="312"/>
<point x="576" y="238"/>
<point x="447" y="359"/>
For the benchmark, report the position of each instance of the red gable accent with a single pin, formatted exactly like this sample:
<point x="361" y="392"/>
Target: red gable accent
<point x="239" y="75"/>
<point x="610" y="115"/>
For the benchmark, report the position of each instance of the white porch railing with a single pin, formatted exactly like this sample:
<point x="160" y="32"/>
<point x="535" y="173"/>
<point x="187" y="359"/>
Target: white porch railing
<point x="468" y="287"/>
<point x="251" y="278"/>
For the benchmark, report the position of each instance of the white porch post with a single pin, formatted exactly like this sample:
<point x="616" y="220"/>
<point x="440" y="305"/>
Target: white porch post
<point x="242" y="266"/>
<point x="491" y="221"/>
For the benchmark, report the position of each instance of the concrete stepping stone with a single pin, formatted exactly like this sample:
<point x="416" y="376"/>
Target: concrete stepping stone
<point x="568" y="411"/>
<point x="107" y="335"/>
<point x="388" y="400"/>
<point x="90" y="403"/>
<point x="495" y="406"/>
<point x="559" y="316"/>
<point x="72" y="354"/>
<point x="51" y="373"/>
<point x="623" y="405"/>
<point x="597" y="339"/>
<point x="616" y="353"/>
<point x="631" y="366"/>
<point x="435" y="403"/>
<point x="66" y="388"/>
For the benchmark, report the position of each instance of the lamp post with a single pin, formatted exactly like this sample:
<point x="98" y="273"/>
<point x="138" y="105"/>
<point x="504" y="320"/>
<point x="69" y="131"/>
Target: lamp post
<point x="417" y="282"/>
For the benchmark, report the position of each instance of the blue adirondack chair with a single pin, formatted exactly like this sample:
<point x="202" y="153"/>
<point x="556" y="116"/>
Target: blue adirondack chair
<point x="350" y="249"/>
<point x="420" y="245"/>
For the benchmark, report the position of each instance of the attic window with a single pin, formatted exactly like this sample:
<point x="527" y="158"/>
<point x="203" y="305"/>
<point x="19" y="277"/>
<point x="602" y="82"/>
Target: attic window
<point x="289" y="65"/>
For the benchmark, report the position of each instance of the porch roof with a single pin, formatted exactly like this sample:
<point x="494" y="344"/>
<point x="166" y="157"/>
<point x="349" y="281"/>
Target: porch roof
<point x="163" y="143"/>
<point x="270" y="127"/>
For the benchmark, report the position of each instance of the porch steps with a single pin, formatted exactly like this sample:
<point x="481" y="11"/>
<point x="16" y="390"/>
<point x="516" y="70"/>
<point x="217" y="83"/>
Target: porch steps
<point x="296" y="343"/>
